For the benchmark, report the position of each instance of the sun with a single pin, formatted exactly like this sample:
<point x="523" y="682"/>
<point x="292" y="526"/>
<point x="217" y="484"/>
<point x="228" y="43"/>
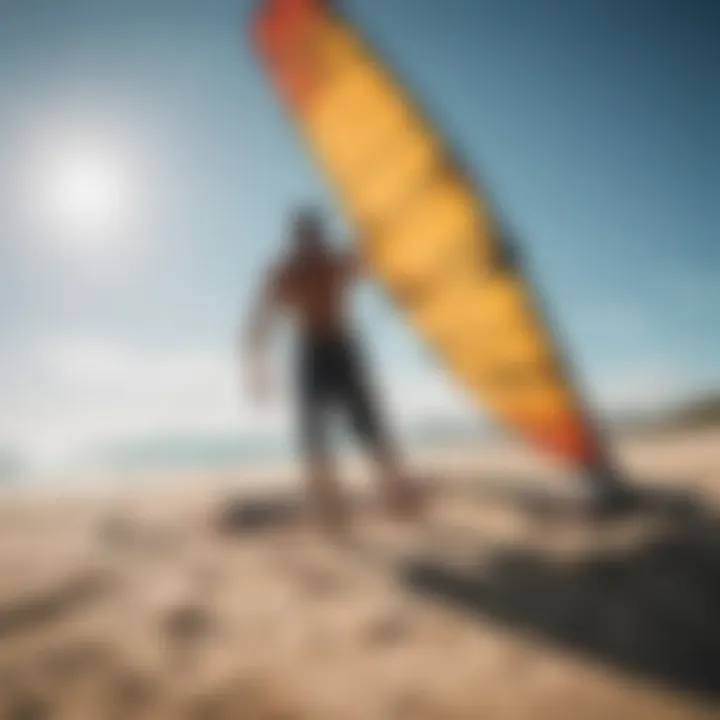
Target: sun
<point x="86" y="196"/>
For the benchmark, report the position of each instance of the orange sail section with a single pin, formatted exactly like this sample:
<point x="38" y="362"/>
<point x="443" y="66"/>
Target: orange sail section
<point x="427" y="233"/>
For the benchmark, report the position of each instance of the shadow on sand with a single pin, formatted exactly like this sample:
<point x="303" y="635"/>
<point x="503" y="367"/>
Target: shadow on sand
<point x="653" y="610"/>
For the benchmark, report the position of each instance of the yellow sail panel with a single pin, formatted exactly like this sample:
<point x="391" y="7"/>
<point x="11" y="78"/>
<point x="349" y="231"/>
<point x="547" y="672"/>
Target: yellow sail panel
<point x="426" y="232"/>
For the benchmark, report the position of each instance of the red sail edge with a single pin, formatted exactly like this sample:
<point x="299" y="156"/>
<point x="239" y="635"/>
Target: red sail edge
<point x="278" y="32"/>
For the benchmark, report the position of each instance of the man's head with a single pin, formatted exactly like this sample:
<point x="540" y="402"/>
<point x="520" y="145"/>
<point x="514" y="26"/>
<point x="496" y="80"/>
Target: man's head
<point x="308" y="232"/>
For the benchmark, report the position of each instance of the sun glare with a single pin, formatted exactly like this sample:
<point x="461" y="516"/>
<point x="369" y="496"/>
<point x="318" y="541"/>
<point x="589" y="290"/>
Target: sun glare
<point x="86" y="196"/>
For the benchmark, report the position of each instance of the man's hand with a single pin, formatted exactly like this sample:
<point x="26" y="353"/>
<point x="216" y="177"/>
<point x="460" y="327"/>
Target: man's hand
<point x="260" y="385"/>
<point x="258" y="381"/>
<point x="259" y="376"/>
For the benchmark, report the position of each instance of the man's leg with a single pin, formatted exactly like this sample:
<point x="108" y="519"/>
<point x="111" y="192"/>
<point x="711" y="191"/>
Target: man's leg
<point x="322" y="487"/>
<point x="403" y="497"/>
<point x="324" y="494"/>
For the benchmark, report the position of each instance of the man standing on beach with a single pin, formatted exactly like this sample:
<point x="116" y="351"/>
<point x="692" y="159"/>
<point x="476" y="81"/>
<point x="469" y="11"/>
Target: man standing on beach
<point x="312" y="283"/>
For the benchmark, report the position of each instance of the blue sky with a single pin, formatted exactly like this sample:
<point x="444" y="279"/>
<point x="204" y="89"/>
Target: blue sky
<point x="594" y="123"/>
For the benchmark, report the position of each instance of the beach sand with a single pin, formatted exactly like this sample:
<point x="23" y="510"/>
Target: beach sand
<point x="171" y="599"/>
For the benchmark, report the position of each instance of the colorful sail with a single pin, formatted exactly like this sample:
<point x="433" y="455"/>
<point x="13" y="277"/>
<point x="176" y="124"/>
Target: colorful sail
<point x="427" y="233"/>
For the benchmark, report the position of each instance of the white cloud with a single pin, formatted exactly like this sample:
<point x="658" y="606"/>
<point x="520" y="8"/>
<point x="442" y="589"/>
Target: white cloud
<point x="78" y="393"/>
<point x="90" y="391"/>
<point x="641" y="387"/>
<point x="430" y="394"/>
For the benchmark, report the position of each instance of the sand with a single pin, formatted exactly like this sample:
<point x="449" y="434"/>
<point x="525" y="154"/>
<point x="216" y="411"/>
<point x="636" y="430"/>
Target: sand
<point x="157" y="602"/>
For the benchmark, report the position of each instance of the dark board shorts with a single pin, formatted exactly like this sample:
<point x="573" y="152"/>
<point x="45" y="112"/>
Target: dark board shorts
<point x="332" y="376"/>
